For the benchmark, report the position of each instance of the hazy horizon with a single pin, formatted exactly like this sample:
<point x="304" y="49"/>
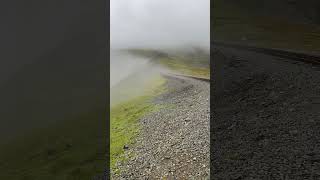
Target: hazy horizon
<point x="159" y="24"/>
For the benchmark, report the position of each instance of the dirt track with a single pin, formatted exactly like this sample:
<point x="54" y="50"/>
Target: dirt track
<point x="174" y="141"/>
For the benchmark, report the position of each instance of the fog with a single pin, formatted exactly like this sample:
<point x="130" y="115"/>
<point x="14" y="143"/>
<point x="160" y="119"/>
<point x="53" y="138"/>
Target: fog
<point x="154" y="24"/>
<point x="159" y="23"/>
<point x="123" y="65"/>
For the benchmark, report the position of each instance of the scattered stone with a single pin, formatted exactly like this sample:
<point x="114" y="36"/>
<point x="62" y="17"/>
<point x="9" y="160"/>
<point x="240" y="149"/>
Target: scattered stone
<point x="277" y="118"/>
<point x="125" y="147"/>
<point x="291" y="109"/>
<point x="294" y="132"/>
<point x="174" y="140"/>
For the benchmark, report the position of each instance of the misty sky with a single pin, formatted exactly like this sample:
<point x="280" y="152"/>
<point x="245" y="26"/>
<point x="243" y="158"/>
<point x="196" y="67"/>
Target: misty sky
<point x="159" y="23"/>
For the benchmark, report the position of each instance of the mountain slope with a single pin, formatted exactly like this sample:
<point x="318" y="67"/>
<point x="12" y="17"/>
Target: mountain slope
<point x="54" y="95"/>
<point x="280" y="24"/>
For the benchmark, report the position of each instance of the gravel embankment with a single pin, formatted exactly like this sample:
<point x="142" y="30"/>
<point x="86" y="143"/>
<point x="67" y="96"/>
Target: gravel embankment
<point x="174" y="141"/>
<point x="266" y="117"/>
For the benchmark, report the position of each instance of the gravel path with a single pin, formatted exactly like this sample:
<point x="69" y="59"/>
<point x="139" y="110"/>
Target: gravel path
<point x="266" y="118"/>
<point x="174" y="141"/>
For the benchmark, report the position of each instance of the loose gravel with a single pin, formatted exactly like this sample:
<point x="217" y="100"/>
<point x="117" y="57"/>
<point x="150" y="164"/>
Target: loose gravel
<point x="174" y="141"/>
<point x="266" y="117"/>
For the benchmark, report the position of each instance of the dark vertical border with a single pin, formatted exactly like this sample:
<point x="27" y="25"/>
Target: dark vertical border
<point x="211" y="87"/>
<point x="107" y="26"/>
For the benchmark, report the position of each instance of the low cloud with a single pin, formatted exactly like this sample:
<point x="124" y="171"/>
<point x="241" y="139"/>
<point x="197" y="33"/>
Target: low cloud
<point x="159" y="23"/>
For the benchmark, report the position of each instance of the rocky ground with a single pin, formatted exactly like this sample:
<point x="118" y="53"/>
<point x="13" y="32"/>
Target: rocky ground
<point x="266" y="117"/>
<point x="174" y="141"/>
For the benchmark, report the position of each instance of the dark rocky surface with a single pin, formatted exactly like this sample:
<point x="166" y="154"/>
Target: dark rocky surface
<point x="266" y="117"/>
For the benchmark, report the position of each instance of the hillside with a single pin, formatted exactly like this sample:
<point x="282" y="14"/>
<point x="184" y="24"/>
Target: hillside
<point x="280" y="24"/>
<point x="53" y="90"/>
<point x="190" y="61"/>
<point x="59" y="96"/>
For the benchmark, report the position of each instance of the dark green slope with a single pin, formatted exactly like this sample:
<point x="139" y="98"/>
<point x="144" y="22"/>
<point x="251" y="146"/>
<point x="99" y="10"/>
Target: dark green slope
<point x="303" y="11"/>
<point x="54" y="98"/>
<point x="60" y="85"/>
<point x="285" y="24"/>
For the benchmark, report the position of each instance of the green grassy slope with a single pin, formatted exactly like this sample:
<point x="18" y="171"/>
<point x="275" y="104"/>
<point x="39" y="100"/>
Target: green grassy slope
<point x="193" y="61"/>
<point x="125" y="117"/>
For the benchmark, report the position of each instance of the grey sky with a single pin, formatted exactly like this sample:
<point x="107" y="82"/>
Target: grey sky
<point x="159" y="23"/>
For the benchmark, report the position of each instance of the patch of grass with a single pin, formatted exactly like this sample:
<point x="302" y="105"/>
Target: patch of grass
<point x="124" y="125"/>
<point x="193" y="61"/>
<point x="137" y="84"/>
<point x="149" y="53"/>
<point x="186" y="68"/>
<point x="125" y="119"/>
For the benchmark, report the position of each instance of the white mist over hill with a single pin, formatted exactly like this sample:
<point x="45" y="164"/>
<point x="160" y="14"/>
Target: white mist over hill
<point x="123" y="65"/>
<point x="154" y="24"/>
<point x="159" y="23"/>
